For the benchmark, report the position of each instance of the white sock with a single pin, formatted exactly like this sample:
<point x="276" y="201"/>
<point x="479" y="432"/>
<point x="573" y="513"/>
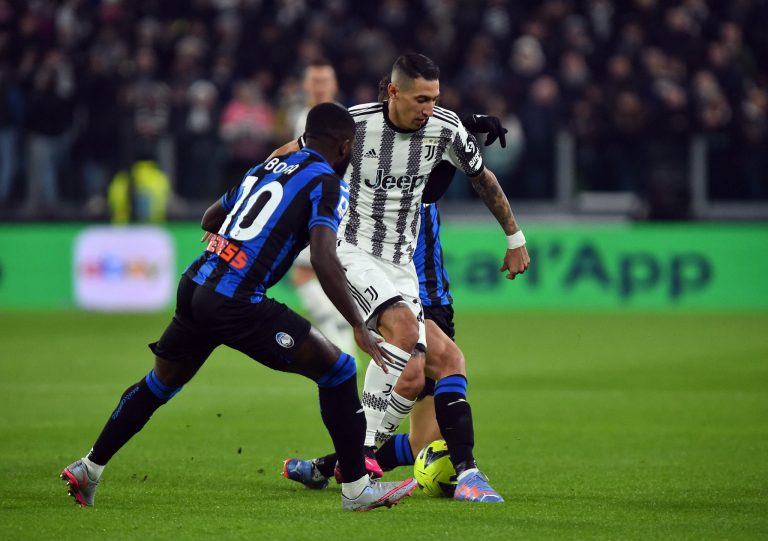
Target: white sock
<point x="377" y="388"/>
<point x="355" y="488"/>
<point x="465" y="473"/>
<point x="398" y="409"/>
<point x="325" y="317"/>
<point x="375" y="398"/>
<point x="94" y="470"/>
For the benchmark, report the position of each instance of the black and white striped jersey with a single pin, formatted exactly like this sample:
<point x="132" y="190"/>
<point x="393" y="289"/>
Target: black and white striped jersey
<point x="387" y="174"/>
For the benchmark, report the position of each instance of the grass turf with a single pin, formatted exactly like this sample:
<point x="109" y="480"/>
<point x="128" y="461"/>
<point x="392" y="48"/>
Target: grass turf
<point x="591" y="426"/>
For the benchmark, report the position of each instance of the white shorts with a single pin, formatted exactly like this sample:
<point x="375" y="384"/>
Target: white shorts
<point x="376" y="283"/>
<point x="303" y="259"/>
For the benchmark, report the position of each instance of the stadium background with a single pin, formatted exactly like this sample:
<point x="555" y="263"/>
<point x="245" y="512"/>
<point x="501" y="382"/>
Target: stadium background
<point x="620" y="386"/>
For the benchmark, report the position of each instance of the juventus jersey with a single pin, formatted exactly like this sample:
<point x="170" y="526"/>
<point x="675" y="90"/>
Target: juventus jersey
<point x="387" y="174"/>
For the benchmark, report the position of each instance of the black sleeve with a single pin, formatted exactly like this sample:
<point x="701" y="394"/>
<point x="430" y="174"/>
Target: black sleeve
<point x="437" y="183"/>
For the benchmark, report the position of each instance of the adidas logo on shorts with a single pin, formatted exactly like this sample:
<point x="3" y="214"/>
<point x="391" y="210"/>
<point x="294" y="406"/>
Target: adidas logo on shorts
<point x="370" y="154"/>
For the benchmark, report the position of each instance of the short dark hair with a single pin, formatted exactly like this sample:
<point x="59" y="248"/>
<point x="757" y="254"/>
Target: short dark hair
<point x="383" y="84"/>
<point x="319" y="62"/>
<point x="416" y="65"/>
<point x="329" y="121"/>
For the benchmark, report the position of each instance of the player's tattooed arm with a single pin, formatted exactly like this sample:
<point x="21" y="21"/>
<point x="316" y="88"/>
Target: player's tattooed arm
<point x="516" y="261"/>
<point x="487" y="187"/>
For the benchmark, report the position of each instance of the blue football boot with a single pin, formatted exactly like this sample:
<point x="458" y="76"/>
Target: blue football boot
<point x="474" y="487"/>
<point x="304" y="472"/>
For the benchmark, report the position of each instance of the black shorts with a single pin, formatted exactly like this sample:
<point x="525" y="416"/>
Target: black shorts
<point x="443" y="318"/>
<point x="268" y="332"/>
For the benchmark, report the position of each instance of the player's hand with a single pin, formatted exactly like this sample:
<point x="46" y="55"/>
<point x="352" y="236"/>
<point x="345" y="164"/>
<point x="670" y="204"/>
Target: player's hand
<point x="487" y="124"/>
<point x="369" y="342"/>
<point x="207" y="236"/>
<point x="516" y="262"/>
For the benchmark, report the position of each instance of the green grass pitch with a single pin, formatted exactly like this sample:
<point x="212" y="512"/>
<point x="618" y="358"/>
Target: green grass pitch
<point x="612" y="426"/>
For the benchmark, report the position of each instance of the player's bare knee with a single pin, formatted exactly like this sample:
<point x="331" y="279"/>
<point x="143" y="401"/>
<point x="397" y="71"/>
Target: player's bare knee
<point x="399" y="326"/>
<point x="453" y="361"/>
<point x="444" y="361"/>
<point x="314" y="357"/>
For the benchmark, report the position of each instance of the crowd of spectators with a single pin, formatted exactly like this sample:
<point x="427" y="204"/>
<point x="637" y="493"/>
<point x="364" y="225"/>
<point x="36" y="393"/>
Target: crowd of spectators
<point x="207" y="87"/>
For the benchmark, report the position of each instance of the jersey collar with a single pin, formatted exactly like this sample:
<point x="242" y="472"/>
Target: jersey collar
<point x="389" y="123"/>
<point x="314" y="153"/>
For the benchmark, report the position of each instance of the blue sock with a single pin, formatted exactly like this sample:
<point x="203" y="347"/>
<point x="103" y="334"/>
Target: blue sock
<point x="136" y="406"/>
<point x="396" y="451"/>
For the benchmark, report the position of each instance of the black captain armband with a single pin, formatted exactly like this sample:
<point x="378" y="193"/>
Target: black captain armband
<point x="486" y="124"/>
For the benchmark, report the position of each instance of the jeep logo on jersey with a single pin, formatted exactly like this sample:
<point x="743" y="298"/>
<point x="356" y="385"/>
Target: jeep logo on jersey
<point x="284" y="339"/>
<point x="407" y="183"/>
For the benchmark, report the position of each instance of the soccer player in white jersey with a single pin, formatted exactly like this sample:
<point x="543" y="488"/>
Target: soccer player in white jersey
<point x="320" y="86"/>
<point x="398" y="142"/>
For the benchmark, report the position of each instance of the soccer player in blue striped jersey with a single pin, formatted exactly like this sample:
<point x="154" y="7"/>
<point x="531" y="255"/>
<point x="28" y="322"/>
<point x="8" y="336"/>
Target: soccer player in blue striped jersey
<point x="255" y="231"/>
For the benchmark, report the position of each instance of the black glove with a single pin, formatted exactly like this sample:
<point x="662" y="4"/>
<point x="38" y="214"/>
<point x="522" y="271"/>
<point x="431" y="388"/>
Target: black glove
<point x="486" y="124"/>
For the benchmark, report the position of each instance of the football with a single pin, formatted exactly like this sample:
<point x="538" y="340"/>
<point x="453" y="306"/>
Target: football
<point x="433" y="470"/>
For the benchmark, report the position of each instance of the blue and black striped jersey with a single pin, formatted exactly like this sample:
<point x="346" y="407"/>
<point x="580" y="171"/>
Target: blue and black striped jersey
<point x="270" y="214"/>
<point x="428" y="259"/>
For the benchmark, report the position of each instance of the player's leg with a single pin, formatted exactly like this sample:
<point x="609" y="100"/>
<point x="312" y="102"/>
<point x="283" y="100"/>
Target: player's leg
<point x="445" y="364"/>
<point x="319" y="307"/>
<point x="377" y="286"/>
<point x="342" y="414"/>
<point x="402" y="398"/>
<point x="398" y="450"/>
<point x="304" y="350"/>
<point x="399" y="327"/>
<point x="423" y="429"/>
<point x="411" y="381"/>
<point x="399" y="405"/>
<point x="401" y="449"/>
<point x="179" y="353"/>
<point x="396" y="318"/>
<point x="407" y="390"/>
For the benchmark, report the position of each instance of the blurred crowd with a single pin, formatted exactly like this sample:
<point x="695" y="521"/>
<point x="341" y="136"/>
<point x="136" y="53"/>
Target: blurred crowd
<point x="201" y="89"/>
